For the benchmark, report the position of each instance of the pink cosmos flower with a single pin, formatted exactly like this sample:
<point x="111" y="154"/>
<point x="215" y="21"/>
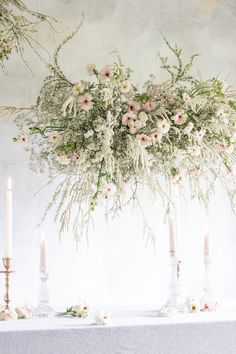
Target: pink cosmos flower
<point x="135" y="126"/>
<point x="86" y="102"/>
<point x="221" y="146"/>
<point x="106" y="73"/>
<point x="180" y="118"/>
<point x="128" y="119"/>
<point x="194" y="150"/>
<point x="157" y="136"/>
<point x="76" y="158"/>
<point x="133" y="106"/>
<point x="169" y="102"/>
<point x="150" y="106"/>
<point x="225" y="148"/>
<point x="23" y="139"/>
<point x="144" y="139"/>
<point x="63" y="160"/>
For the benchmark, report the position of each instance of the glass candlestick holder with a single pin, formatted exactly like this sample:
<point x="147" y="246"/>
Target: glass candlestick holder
<point x="174" y="303"/>
<point x="208" y="300"/>
<point x="43" y="310"/>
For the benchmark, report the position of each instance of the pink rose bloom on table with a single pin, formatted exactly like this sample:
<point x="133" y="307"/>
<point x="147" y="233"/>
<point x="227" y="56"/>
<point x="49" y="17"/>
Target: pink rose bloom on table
<point x="86" y="102"/>
<point x="106" y="73"/>
<point x="180" y="118"/>
<point x="194" y="150"/>
<point x="150" y="106"/>
<point x="144" y="139"/>
<point x="128" y="119"/>
<point x="133" y="106"/>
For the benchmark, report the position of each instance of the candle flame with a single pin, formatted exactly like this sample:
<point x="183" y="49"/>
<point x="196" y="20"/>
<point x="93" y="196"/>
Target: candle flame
<point x="9" y="183"/>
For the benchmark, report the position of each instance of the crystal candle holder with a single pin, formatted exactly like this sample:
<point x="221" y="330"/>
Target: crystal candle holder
<point x="43" y="310"/>
<point x="174" y="303"/>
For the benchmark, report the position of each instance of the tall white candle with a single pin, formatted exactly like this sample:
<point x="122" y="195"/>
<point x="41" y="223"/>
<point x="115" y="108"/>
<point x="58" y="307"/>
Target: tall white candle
<point x="8" y="234"/>
<point x="42" y="253"/>
<point x="206" y="244"/>
<point x="172" y="235"/>
<point x="176" y="194"/>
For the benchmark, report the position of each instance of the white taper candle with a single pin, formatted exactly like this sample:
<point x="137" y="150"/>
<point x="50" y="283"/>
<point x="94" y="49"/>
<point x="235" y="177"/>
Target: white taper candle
<point x="42" y="253"/>
<point x="8" y="235"/>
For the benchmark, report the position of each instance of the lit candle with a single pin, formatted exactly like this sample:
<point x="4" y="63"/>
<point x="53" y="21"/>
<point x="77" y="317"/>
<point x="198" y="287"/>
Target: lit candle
<point x="8" y="234"/>
<point x="206" y="244"/>
<point x="42" y="253"/>
<point x="172" y="236"/>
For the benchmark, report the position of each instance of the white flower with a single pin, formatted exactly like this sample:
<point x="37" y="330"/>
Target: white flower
<point x="180" y="118"/>
<point x="194" y="150"/>
<point x="55" y="138"/>
<point x="63" y="160"/>
<point x="200" y="135"/>
<point x="90" y="69"/>
<point x="89" y="133"/>
<point x="193" y="305"/>
<point x="143" y="118"/>
<point x="188" y="128"/>
<point x="125" y="87"/>
<point x="102" y="319"/>
<point x="164" y="126"/>
<point x="186" y="97"/>
<point x="78" y="89"/>
<point x="157" y="136"/>
<point x="23" y="139"/>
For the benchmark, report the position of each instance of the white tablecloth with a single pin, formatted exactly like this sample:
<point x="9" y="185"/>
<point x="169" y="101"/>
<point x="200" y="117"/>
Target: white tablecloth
<point x="133" y="333"/>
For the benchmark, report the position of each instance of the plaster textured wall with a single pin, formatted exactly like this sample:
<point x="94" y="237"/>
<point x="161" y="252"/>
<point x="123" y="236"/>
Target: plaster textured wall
<point x="117" y="268"/>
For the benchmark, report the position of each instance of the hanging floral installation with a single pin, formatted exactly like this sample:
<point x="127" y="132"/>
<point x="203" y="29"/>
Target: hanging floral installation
<point x="17" y="26"/>
<point x="106" y="137"/>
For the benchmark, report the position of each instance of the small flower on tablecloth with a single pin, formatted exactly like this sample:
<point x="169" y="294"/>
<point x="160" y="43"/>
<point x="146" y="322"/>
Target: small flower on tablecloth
<point x="192" y="305"/>
<point x="23" y="312"/>
<point x="6" y="315"/>
<point x="209" y="305"/>
<point x="102" y="319"/>
<point x="81" y="310"/>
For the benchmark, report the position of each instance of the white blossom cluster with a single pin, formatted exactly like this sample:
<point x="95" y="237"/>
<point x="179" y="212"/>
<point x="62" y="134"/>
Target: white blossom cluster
<point x="106" y="135"/>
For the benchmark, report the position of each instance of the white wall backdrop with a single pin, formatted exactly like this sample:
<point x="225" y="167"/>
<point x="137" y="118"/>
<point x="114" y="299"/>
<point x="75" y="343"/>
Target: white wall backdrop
<point x="117" y="268"/>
